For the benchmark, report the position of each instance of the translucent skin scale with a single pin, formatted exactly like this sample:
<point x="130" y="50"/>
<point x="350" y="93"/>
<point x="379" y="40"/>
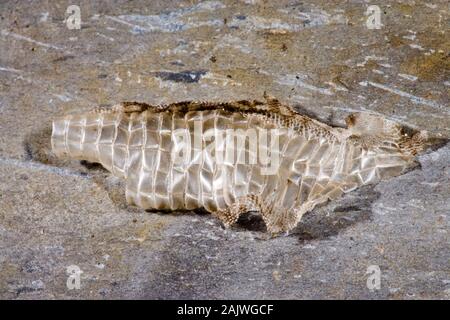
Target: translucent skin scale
<point x="316" y="162"/>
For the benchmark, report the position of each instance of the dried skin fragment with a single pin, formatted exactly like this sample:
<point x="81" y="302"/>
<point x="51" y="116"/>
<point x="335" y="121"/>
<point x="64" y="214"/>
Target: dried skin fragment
<point x="144" y="144"/>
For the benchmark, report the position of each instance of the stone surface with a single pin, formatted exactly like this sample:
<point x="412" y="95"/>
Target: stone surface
<point x="317" y="56"/>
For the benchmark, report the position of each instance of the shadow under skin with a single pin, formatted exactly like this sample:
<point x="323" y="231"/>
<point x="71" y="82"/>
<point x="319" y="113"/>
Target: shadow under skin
<point x="325" y="220"/>
<point x="331" y="218"/>
<point x="37" y="148"/>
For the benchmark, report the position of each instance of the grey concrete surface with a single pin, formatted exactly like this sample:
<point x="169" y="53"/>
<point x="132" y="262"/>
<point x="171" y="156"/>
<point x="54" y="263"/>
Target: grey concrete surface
<point x="318" y="56"/>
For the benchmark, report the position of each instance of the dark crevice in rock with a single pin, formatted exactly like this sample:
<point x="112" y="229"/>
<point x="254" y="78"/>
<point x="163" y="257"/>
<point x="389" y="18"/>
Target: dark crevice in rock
<point x="188" y="76"/>
<point x="251" y="221"/>
<point x="93" y="166"/>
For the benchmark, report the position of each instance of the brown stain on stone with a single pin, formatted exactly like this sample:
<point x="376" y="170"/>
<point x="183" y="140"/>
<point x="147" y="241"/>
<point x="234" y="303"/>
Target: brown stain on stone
<point x="404" y="8"/>
<point x="150" y="230"/>
<point x="430" y="67"/>
<point x="396" y="41"/>
<point x="339" y="74"/>
<point x="355" y="15"/>
<point x="336" y="73"/>
<point x="8" y="271"/>
<point x="274" y="39"/>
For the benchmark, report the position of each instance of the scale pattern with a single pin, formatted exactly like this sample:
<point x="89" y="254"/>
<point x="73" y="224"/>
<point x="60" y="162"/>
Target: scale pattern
<point x="316" y="162"/>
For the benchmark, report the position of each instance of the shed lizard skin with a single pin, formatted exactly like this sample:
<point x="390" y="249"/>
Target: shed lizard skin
<point x="314" y="162"/>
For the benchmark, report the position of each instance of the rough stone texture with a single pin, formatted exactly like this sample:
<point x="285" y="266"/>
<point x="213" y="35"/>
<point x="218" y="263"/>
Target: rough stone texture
<point x="317" y="56"/>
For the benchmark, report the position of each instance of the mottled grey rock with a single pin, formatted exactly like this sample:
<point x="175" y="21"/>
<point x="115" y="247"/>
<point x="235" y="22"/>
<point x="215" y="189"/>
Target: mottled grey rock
<point x="319" y="57"/>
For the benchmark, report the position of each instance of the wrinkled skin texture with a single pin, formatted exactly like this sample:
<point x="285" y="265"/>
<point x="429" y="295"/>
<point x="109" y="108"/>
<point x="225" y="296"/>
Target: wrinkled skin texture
<point x="316" y="162"/>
